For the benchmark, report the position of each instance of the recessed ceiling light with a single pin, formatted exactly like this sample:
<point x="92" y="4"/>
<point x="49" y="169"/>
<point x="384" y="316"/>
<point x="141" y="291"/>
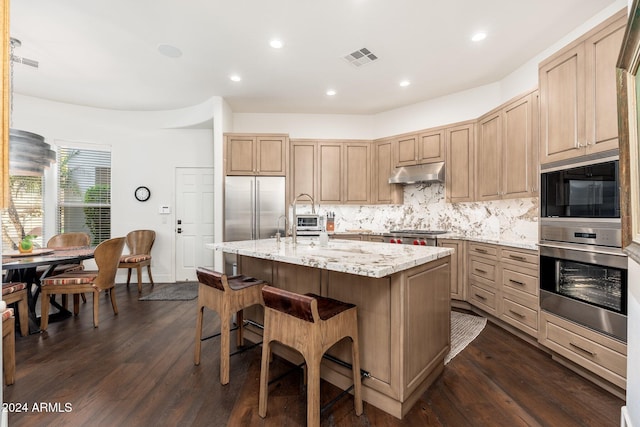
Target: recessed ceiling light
<point x="479" y="36"/>
<point x="331" y="92"/>
<point x="235" y="78"/>
<point x="169" y="50"/>
<point x="276" y="44"/>
<point x="405" y="83"/>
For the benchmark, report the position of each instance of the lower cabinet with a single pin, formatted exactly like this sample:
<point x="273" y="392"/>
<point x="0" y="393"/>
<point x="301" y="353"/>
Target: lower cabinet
<point x="602" y="355"/>
<point x="503" y="282"/>
<point x="458" y="277"/>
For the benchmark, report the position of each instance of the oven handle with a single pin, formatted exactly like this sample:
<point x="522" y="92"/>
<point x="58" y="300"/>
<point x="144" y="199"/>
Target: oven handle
<point x="585" y="256"/>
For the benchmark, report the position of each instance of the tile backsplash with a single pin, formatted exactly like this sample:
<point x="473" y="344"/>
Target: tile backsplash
<point x="425" y="208"/>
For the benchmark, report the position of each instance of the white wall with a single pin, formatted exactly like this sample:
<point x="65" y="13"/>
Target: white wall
<point x="145" y="150"/>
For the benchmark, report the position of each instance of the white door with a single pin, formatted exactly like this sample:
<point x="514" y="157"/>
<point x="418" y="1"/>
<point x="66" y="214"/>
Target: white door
<point x="194" y="221"/>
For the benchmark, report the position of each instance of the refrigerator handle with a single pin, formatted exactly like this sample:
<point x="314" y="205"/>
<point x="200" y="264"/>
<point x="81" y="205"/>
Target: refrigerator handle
<point x="258" y="213"/>
<point x="253" y="215"/>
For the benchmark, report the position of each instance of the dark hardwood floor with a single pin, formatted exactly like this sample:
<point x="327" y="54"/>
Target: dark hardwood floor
<point x="137" y="369"/>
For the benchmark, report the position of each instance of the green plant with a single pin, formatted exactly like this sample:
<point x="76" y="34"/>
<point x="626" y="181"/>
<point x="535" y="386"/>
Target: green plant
<point x="26" y="244"/>
<point x="98" y="214"/>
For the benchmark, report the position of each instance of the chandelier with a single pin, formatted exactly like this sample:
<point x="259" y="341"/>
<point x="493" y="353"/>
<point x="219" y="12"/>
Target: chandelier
<point x="29" y="155"/>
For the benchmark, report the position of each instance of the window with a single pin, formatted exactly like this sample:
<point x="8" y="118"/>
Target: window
<point x="24" y="213"/>
<point x="84" y="192"/>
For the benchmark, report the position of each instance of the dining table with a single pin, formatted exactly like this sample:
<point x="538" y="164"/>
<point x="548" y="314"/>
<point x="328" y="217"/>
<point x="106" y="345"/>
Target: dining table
<point x="23" y="267"/>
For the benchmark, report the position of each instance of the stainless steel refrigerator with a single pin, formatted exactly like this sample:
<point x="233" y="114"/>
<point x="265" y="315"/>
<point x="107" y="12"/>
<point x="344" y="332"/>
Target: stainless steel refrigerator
<point x="252" y="206"/>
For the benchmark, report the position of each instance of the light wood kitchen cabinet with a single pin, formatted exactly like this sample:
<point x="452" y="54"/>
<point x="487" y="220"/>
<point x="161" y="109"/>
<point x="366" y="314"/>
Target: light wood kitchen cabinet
<point x="503" y="281"/>
<point x="483" y="285"/>
<point x="383" y="165"/>
<point x="578" y="104"/>
<point x="604" y="356"/>
<point x="256" y="154"/>
<point x="421" y="148"/>
<point x="519" y="279"/>
<point x="344" y="172"/>
<point x="458" y="271"/>
<point x="304" y="168"/>
<point x="506" y="151"/>
<point x="459" y="165"/>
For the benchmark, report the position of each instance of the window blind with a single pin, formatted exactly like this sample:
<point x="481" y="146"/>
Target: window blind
<point x="84" y="192"/>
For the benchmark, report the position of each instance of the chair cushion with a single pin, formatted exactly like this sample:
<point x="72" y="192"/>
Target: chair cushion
<point x="7" y="313"/>
<point x="9" y="288"/>
<point x="241" y="281"/>
<point x="329" y="307"/>
<point x="134" y="258"/>
<point x="73" y="278"/>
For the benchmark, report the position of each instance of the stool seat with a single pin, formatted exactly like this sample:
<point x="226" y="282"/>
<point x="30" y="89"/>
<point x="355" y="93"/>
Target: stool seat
<point x="226" y="296"/>
<point x="322" y="322"/>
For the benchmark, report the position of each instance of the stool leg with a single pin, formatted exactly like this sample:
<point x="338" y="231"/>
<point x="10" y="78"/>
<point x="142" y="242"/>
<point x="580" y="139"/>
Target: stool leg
<point x="196" y="356"/>
<point x="240" y="330"/>
<point x="357" y="385"/>
<point x="264" y="377"/>
<point x="313" y="389"/>
<point x="224" y="346"/>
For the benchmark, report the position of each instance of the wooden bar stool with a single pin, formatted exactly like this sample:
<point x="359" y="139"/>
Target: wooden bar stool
<point x="226" y="296"/>
<point x="311" y="325"/>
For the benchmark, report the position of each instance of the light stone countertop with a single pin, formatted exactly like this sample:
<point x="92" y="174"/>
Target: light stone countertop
<point x="363" y="258"/>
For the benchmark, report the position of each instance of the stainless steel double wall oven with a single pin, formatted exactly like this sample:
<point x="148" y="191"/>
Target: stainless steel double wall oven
<point x="583" y="271"/>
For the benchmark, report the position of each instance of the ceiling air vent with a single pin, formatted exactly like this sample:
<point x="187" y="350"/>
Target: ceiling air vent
<point x="360" y="57"/>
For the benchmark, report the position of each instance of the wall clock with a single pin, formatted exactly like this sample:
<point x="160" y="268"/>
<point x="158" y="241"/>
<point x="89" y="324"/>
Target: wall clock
<point x="142" y="193"/>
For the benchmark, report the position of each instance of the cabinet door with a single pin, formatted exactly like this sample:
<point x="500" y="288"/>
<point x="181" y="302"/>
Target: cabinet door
<point x="517" y="163"/>
<point x="271" y="154"/>
<point x="329" y="170"/>
<point x="383" y="166"/>
<point x="406" y="150"/>
<point x="459" y="164"/>
<point x="240" y="152"/>
<point x="457" y="268"/>
<point x="431" y="147"/>
<point x="562" y="107"/>
<point x="601" y="53"/>
<point x="488" y="157"/>
<point x="304" y="156"/>
<point x="357" y="173"/>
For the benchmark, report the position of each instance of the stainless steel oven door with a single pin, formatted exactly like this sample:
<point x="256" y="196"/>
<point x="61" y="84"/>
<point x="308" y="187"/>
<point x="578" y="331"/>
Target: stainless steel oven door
<point x="585" y="286"/>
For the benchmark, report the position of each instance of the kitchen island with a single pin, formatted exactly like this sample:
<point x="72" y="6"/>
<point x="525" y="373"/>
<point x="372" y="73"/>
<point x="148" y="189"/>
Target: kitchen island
<point x="403" y="300"/>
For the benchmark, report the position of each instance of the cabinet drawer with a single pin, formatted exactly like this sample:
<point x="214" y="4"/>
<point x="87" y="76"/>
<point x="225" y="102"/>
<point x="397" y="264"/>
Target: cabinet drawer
<point x="482" y="268"/>
<point x="601" y="355"/>
<point x="483" y="250"/>
<point x="483" y="298"/>
<point x="520" y="256"/>
<point x="520" y="314"/>
<point x="520" y="281"/>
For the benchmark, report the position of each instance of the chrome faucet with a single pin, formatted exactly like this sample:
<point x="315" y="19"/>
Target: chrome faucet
<point x="286" y="228"/>
<point x="294" y="226"/>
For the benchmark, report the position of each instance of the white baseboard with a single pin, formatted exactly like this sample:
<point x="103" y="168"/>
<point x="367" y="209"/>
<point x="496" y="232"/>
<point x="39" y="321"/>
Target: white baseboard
<point x="625" y="421"/>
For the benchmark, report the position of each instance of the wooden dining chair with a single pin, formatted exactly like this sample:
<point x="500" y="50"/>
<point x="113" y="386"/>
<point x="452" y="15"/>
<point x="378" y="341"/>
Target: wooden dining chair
<point x="107" y="256"/>
<point x="16" y="293"/>
<point x="139" y="243"/>
<point x="8" y="346"/>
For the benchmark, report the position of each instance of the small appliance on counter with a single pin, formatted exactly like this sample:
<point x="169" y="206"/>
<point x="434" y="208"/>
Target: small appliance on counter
<point x="309" y="224"/>
<point x="331" y="225"/>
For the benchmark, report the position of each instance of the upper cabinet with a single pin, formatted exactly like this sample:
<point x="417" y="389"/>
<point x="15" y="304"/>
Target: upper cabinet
<point x="344" y="172"/>
<point x="506" y="151"/>
<point x="578" y="105"/>
<point x="256" y="154"/>
<point x="420" y="148"/>
<point x="383" y="164"/>
<point x="459" y="163"/>
<point x="332" y="172"/>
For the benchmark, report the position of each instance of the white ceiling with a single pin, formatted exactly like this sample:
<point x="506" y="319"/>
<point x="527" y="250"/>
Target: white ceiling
<point x="103" y="53"/>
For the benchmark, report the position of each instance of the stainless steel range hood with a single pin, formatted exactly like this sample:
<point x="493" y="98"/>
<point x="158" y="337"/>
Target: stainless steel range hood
<point x="427" y="173"/>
